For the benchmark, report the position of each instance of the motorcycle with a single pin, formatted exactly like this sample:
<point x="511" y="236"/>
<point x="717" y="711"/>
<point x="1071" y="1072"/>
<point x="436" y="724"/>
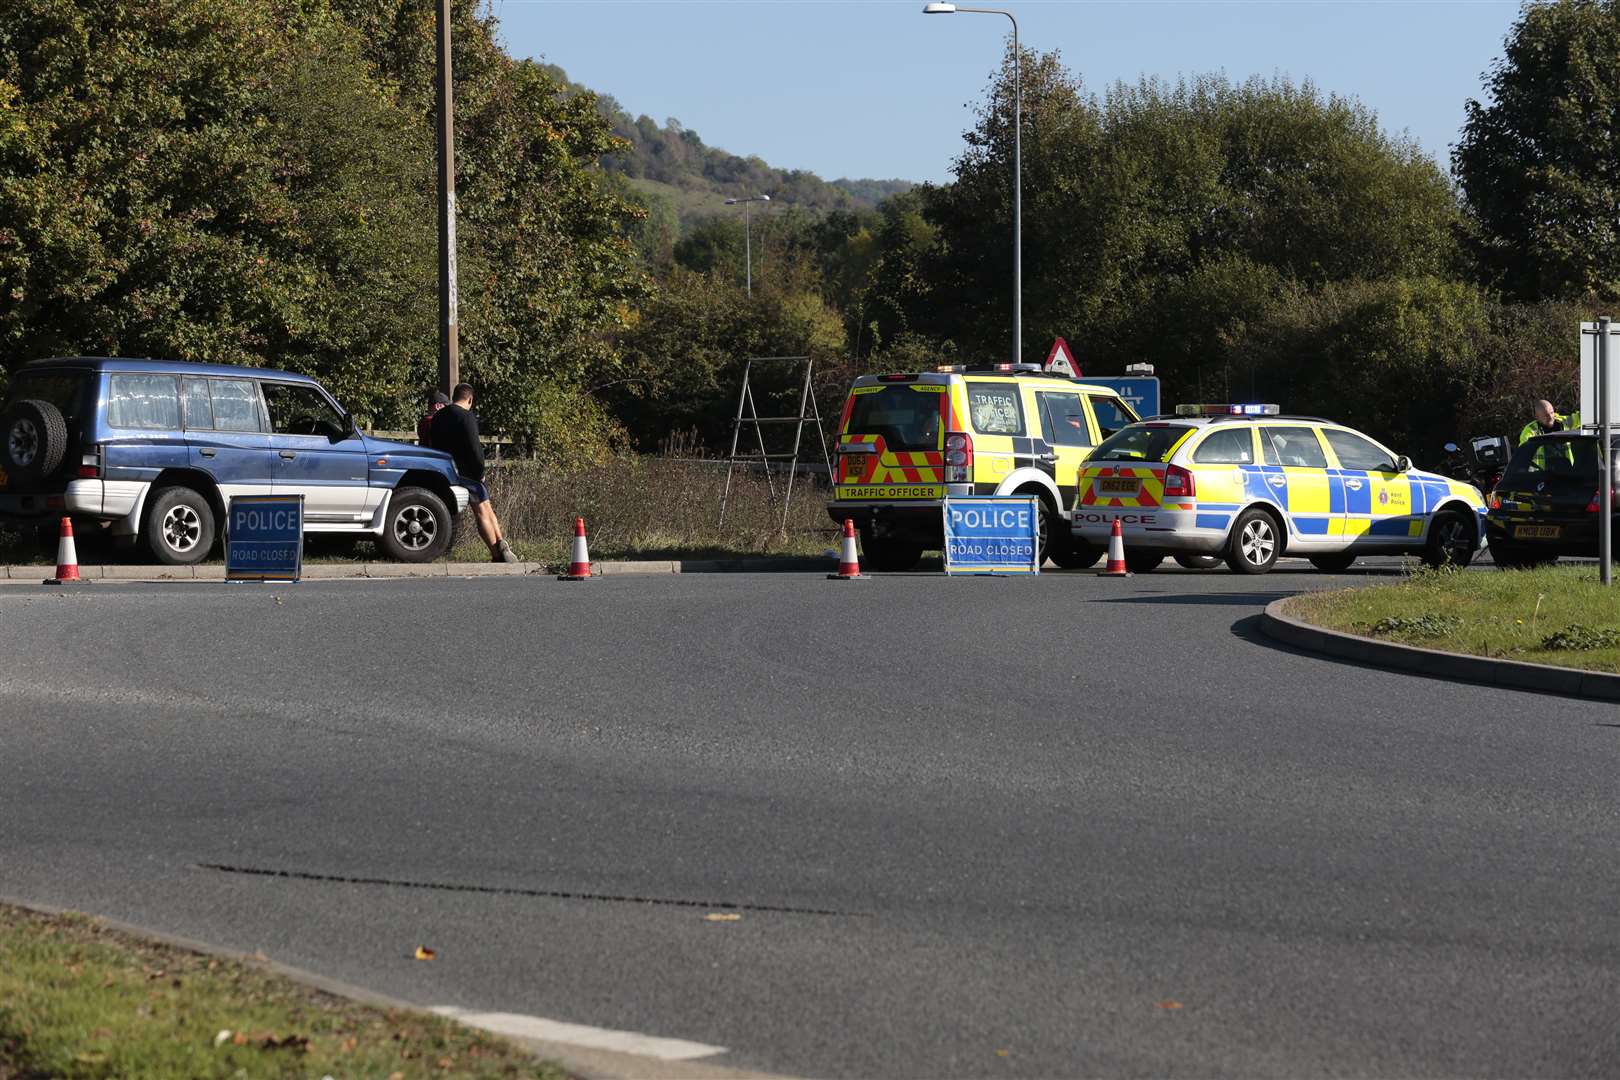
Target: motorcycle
<point x="1481" y="464"/>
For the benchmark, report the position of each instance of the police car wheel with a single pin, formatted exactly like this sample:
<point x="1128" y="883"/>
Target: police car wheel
<point x="1198" y="562"/>
<point x="1142" y="563"/>
<point x="1339" y="560"/>
<point x="417" y="527"/>
<point x="179" y="526"/>
<point x="1255" y="543"/>
<point x="1451" y="541"/>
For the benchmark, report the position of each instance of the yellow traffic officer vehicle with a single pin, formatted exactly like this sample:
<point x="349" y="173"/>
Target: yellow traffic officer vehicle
<point x="1243" y="483"/>
<point x="907" y="440"/>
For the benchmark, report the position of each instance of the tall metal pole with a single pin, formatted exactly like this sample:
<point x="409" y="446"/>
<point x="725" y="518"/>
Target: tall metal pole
<point x="941" y="8"/>
<point x="748" y="246"/>
<point x="449" y="347"/>
<point x="1605" y="457"/>
<point x="1018" y="197"/>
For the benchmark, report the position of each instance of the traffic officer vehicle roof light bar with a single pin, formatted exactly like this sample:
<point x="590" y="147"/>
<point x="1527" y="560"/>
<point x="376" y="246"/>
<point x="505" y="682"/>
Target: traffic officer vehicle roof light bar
<point x="1243" y="482"/>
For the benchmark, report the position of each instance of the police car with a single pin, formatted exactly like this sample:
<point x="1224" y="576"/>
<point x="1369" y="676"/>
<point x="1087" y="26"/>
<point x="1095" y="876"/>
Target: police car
<point x="907" y="440"/>
<point x="1247" y="484"/>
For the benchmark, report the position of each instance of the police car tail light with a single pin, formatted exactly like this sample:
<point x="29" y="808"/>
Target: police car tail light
<point x="1179" y="483"/>
<point x="1494" y="501"/>
<point x="958" y="457"/>
<point x="1592" y="507"/>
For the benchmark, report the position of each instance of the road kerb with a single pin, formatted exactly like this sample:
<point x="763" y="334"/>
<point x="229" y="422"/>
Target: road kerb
<point x="360" y="571"/>
<point x="1276" y="624"/>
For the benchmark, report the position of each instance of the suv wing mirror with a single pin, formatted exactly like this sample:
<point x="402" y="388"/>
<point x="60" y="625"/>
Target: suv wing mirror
<point x="1403" y="464"/>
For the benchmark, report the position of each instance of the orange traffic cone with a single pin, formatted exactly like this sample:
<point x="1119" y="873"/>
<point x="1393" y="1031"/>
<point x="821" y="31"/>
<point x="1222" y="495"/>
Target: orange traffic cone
<point x="67" y="556"/>
<point x="580" y="568"/>
<point x="1116" y="554"/>
<point x="849" y="563"/>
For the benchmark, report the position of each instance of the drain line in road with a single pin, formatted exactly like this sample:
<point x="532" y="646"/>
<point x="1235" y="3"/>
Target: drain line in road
<point x="505" y="890"/>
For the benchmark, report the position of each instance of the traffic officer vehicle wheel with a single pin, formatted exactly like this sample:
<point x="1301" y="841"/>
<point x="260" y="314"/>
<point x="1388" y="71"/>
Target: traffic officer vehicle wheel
<point x="1451" y="541"/>
<point x="179" y="526"/>
<point x="1075" y="555"/>
<point x="1199" y="562"/>
<point x="1338" y="560"/>
<point x="889" y="554"/>
<point x="418" y="527"/>
<point x="1255" y="543"/>
<point x="33" y="439"/>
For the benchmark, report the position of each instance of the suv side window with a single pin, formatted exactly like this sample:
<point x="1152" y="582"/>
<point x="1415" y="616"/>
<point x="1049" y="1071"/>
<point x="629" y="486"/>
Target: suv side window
<point x="301" y="410"/>
<point x="1226" y="446"/>
<point x="199" y="408"/>
<point x="1292" y="448"/>
<point x="148" y="402"/>
<point x="1354" y="452"/>
<point x="1064" y="418"/>
<point x="995" y="409"/>
<point x="236" y="405"/>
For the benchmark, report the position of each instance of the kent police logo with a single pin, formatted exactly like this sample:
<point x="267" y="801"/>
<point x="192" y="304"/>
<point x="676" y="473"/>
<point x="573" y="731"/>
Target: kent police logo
<point x="1383" y="497"/>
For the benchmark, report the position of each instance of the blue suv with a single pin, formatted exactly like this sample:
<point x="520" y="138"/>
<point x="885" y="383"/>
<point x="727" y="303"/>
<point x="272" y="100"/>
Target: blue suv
<point x="157" y="449"/>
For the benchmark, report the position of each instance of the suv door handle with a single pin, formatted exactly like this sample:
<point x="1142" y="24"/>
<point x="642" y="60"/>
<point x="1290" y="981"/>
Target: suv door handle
<point x="1277" y="481"/>
<point x="1048" y="458"/>
<point x="289" y="454"/>
<point x="206" y="451"/>
<point x="1353" y="485"/>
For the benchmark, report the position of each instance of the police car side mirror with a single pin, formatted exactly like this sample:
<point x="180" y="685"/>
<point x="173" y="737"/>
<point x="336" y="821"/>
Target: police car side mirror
<point x="1452" y="448"/>
<point x="1403" y="464"/>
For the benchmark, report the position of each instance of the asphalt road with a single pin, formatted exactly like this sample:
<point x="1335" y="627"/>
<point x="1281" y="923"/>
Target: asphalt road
<point x="1061" y="826"/>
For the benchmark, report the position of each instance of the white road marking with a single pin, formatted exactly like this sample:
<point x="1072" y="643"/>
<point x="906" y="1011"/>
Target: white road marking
<point x="536" y="1027"/>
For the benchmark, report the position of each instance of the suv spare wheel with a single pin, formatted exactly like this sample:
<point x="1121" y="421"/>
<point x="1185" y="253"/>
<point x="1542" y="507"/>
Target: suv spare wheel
<point x="33" y="439"/>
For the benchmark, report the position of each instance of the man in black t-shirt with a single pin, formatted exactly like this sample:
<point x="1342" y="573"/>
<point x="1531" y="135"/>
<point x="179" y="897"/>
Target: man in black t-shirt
<point x="455" y="431"/>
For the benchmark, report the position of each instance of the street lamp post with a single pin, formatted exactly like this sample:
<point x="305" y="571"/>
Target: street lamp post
<point x="748" y="244"/>
<point x="449" y="346"/>
<point x="1018" y="209"/>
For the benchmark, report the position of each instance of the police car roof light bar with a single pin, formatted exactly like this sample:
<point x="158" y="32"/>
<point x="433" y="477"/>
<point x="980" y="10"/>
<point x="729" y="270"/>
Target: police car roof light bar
<point x="1228" y="409"/>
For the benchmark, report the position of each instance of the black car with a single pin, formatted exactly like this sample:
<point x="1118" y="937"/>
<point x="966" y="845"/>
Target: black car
<point x="1546" y="504"/>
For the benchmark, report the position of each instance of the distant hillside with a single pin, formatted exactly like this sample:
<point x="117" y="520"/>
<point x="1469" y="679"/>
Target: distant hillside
<point x="670" y="160"/>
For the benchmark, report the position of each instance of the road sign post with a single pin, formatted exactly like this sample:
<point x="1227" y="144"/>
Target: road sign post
<point x="993" y="534"/>
<point x="1605" y="389"/>
<point x="264" y="538"/>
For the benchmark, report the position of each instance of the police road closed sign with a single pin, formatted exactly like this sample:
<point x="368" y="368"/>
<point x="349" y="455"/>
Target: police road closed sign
<point x="992" y="534"/>
<point x="264" y="538"/>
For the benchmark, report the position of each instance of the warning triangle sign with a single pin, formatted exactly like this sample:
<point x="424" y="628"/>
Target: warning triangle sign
<point x="1061" y="358"/>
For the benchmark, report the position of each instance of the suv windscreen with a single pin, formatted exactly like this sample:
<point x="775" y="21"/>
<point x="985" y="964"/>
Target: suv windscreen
<point x="1553" y="464"/>
<point x="64" y="389"/>
<point x="907" y="419"/>
<point x="1141" y="442"/>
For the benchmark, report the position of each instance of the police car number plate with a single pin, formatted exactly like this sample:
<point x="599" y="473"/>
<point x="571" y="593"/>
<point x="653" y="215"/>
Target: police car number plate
<point x="1537" y="532"/>
<point x="1112" y="486"/>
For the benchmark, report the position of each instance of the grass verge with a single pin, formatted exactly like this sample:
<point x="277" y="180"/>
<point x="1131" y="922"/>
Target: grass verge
<point x="80" y="1000"/>
<point x="635" y="507"/>
<point x="1554" y="615"/>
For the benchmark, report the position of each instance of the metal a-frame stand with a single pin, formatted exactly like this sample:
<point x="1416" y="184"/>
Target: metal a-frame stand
<point x="748" y="416"/>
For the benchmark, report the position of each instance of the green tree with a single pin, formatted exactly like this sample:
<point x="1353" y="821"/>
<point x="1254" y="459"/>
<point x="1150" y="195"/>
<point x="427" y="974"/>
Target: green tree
<point x="1538" y="162"/>
<point x="213" y="181"/>
<point x="1158" y="195"/>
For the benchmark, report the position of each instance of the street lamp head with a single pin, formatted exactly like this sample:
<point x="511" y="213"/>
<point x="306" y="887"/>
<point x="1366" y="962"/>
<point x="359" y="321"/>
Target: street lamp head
<point x="939" y="9"/>
<point x="764" y="198"/>
<point x="731" y="202"/>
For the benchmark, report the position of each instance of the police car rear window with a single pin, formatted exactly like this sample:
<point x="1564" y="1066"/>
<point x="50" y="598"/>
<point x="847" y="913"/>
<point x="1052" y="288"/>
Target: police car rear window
<point x="1141" y="442"/>
<point x="907" y="419"/>
<point x="1553" y="464"/>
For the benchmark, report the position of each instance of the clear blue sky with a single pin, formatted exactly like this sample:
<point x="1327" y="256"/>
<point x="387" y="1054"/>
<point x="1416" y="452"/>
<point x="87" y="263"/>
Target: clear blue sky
<point x="874" y="88"/>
